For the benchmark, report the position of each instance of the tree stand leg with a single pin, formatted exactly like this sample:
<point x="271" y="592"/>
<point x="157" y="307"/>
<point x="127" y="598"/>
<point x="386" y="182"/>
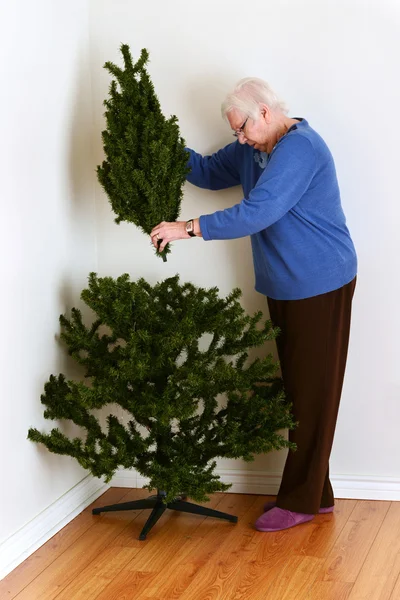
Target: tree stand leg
<point x="158" y="507"/>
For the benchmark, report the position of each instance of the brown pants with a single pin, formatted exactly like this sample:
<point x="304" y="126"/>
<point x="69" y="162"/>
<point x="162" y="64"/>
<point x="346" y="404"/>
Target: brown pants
<point x="312" y="350"/>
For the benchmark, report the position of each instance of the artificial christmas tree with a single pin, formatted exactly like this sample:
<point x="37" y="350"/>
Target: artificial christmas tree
<point x="150" y="362"/>
<point x="146" y="161"/>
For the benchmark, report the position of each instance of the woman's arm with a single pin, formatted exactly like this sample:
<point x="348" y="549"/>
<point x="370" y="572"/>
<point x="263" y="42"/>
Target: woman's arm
<point x="215" y="172"/>
<point x="283" y="183"/>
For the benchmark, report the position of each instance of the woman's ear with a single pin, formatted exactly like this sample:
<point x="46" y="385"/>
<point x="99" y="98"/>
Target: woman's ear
<point x="266" y="113"/>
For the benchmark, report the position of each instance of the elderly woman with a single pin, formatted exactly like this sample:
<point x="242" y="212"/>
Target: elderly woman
<point x="305" y="264"/>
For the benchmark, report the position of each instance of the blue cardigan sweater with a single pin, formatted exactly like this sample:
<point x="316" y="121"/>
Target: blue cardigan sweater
<point x="291" y="210"/>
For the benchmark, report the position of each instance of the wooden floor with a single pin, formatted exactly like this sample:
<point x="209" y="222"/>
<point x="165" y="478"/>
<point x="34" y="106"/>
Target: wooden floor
<point x="353" y="554"/>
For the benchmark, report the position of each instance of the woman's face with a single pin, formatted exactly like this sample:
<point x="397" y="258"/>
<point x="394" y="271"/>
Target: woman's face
<point x="254" y="133"/>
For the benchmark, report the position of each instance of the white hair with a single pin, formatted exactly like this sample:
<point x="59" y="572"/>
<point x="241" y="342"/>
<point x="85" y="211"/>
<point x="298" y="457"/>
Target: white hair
<point x="248" y="94"/>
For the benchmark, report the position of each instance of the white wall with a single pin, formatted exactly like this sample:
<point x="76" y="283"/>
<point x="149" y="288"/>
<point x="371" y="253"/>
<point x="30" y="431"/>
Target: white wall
<point x="335" y="63"/>
<point x="47" y="238"/>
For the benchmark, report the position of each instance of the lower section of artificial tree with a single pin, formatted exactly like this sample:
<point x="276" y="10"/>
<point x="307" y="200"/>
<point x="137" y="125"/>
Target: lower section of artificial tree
<point x="158" y="505"/>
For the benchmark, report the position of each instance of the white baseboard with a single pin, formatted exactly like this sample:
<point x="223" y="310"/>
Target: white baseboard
<point x="263" y="482"/>
<point x="34" y="534"/>
<point x="366" y="487"/>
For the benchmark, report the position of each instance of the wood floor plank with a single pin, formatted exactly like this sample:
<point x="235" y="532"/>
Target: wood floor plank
<point x="174" y="586"/>
<point x="108" y="564"/>
<point x="335" y="527"/>
<point x="76" y="557"/>
<point x="396" y="590"/>
<point x="246" y="563"/>
<point x="330" y="590"/>
<point x="196" y="549"/>
<point x="381" y="569"/>
<point x="37" y="562"/>
<point x="353" y="554"/>
<point x="268" y="558"/>
<point x="179" y="535"/>
<point x="130" y="582"/>
<point x="217" y="574"/>
<point x="322" y="538"/>
<point x="171" y="539"/>
<point x="298" y="575"/>
<point x="294" y="578"/>
<point x="98" y="574"/>
<point x="345" y="560"/>
<point x="218" y="578"/>
<point x="169" y="520"/>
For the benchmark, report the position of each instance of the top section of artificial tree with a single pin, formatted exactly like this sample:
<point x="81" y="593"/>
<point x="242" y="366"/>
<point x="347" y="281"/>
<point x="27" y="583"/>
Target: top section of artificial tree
<point x="146" y="161"/>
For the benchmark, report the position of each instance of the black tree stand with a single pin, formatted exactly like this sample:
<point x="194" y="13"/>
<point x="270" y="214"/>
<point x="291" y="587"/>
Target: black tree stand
<point x="158" y="506"/>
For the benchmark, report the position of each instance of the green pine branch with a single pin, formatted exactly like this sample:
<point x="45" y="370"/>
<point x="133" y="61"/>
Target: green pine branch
<point x="146" y="162"/>
<point x="168" y="355"/>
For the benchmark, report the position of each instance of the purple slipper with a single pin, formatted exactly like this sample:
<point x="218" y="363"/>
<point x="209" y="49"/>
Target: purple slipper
<point x="277" y="519"/>
<point x="322" y="511"/>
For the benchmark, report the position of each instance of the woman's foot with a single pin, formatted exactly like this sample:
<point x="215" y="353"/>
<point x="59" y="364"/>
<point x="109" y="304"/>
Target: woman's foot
<point x="277" y="519"/>
<point x="322" y="511"/>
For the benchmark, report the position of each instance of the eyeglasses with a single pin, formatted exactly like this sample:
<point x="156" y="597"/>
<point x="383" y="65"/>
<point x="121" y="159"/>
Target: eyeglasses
<point x="240" y="131"/>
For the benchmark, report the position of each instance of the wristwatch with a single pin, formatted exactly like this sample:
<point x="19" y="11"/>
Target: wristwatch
<point x="190" y="228"/>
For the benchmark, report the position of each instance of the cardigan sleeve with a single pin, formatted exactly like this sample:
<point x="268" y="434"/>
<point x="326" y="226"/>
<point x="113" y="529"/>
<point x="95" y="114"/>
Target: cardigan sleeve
<point x="285" y="179"/>
<point x="215" y="172"/>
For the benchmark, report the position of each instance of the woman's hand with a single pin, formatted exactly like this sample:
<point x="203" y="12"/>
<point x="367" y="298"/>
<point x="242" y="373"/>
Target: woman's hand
<point x="170" y="232"/>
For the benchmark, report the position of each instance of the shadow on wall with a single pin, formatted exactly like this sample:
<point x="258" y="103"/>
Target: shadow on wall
<point x="80" y="178"/>
<point x="82" y="167"/>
